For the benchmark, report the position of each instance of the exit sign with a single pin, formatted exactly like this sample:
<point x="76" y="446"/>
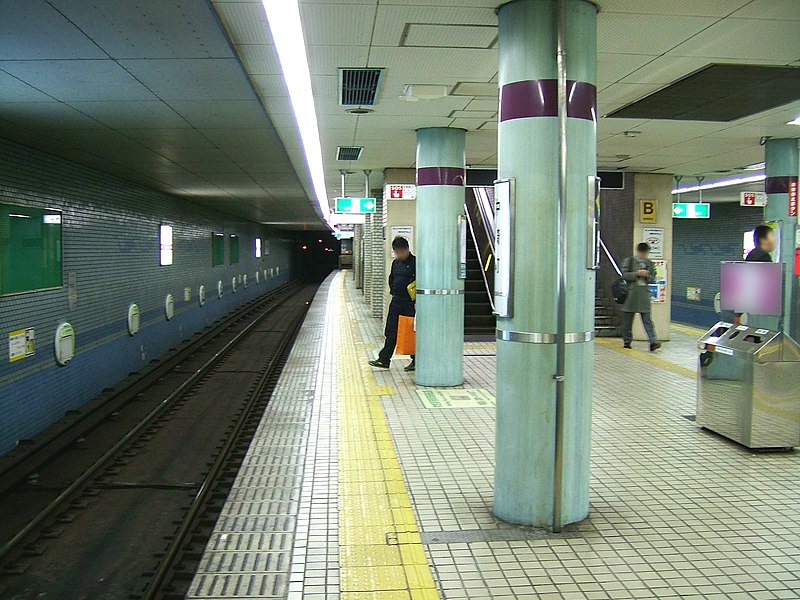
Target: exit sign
<point x="355" y="205"/>
<point x="691" y="210"/>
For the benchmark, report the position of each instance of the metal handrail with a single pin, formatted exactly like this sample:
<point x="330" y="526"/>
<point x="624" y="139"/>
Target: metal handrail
<point x="477" y="249"/>
<point x="487" y="213"/>
<point x="611" y="258"/>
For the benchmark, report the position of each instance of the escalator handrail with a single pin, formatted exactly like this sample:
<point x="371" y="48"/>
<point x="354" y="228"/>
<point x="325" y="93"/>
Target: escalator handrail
<point x="611" y="258"/>
<point x="480" y="259"/>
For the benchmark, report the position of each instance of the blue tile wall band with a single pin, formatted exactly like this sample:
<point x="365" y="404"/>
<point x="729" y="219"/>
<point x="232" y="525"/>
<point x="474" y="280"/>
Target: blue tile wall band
<point x="110" y="242"/>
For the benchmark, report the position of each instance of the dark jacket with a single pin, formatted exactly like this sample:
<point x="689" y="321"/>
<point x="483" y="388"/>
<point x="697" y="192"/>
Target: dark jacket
<point x="639" y="287"/>
<point x="401" y="275"/>
<point x="758" y="255"/>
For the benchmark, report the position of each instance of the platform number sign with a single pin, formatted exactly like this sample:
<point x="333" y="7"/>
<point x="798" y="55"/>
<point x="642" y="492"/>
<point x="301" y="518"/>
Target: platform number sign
<point x="648" y="211"/>
<point x="793" y="197"/>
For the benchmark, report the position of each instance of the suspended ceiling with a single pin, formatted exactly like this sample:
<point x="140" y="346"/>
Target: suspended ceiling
<point x="188" y="97"/>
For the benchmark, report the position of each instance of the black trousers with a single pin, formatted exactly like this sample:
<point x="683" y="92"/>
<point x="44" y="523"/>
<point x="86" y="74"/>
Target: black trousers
<point x="396" y="308"/>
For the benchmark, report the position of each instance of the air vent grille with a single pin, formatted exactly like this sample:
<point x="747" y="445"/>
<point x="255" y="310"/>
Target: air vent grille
<point x="348" y="152"/>
<point x="359" y="87"/>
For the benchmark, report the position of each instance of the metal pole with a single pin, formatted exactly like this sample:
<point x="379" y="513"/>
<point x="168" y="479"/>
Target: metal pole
<point x="562" y="266"/>
<point x="343" y="174"/>
<point x="366" y="183"/>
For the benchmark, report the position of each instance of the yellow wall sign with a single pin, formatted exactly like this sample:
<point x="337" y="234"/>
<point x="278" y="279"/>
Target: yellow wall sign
<point x="647" y="211"/>
<point x="21" y="344"/>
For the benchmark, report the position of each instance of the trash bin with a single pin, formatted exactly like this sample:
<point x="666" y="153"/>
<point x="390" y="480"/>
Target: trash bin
<point x="748" y="385"/>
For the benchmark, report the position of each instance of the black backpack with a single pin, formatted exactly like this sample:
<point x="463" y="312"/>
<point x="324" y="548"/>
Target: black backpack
<point x="620" y="290"/>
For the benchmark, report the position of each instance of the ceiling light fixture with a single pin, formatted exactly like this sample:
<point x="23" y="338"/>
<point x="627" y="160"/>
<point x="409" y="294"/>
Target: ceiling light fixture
<point x="795" y="121"/>
<point x="720" y="184"/>
<point x="283" y="17"/>
<point x="359" y="111"/>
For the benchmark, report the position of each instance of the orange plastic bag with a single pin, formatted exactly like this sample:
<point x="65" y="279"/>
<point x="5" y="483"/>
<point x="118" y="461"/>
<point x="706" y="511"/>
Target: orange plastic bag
<point x="406" y="336"/>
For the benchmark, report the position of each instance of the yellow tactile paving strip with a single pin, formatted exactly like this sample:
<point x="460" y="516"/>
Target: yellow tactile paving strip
<point x="614" y="344"/>
<point x="381" y="554"/>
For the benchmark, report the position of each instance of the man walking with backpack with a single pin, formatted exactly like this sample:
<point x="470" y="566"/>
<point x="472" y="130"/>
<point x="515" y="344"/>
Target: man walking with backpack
<point x="639" y="271"/>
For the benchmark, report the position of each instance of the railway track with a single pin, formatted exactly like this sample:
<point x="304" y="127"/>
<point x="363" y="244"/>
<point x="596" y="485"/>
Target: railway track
<point x="121" y="503"/>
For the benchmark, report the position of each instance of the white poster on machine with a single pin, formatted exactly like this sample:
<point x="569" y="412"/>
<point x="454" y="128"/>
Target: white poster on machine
<point x="654" y="236"/>
<point x="404" y="231"/>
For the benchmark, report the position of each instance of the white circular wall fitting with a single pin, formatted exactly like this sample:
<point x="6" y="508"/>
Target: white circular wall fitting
<point x="258" y="277"/>
<point x="244" y="281"/>
<point x="233" y="285"/>
<point x="64" y="343"/>
<point x="201" y="295"/>
<point x="133" y="319"/>
<point x="266" y="274"/>
<point x="220" y="288"/>
<point x="169" y="307"/>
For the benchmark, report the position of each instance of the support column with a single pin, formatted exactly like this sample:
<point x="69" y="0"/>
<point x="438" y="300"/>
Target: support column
<point x="441" y="176"/>
<point x="528" y="150"/>
<point x="783" y="166"/>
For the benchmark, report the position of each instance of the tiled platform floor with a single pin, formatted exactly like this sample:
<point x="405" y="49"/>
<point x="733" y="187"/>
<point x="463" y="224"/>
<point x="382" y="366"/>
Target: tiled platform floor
<point x="676" y="512"/>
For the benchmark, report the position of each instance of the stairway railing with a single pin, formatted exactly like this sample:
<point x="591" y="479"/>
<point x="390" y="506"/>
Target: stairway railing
<point x="485" y="214"/>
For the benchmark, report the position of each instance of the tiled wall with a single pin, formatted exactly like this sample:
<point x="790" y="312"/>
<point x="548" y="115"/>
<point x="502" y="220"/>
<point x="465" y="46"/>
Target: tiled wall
<point x="111" y="253"/>
<point x="698" y="248"/>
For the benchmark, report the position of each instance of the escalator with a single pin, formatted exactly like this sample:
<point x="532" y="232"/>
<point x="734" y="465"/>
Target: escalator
<point x="479" y="321"/>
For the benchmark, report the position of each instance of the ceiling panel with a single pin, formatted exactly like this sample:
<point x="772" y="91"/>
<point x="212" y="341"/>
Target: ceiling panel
<point x="451" y="35"/>
<point x="645" y="34"/>
<point x="694" y="8"/>
<point x="182" y="79"/>
<point x="39" y="32"/>
<point x="336" y="25"/>
<point x="137" y="114"/>
<point x="125" y="29"/>
<point x="79" y="80"/>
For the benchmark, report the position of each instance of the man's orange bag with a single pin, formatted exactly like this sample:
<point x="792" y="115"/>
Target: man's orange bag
<point x="406" y="336"/>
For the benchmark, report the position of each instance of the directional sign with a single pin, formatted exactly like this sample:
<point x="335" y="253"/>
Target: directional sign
<point x="691" y="210"/>
<point x="403" y="191"/>
<point x="355" y="205"/>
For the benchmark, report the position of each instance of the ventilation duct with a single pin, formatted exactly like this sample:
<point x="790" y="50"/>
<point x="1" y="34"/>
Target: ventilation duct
<point x="359" y="87"/>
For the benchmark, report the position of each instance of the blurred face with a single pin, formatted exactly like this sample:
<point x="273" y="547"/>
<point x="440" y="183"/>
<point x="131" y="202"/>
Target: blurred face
<point x="642" y="254"/>
<point x="402" y="253"/>
<point x="769" y="243"/>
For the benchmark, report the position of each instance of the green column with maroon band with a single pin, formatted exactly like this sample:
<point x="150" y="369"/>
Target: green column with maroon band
<point x="783" y="166"/>
<point x="528" y="151"/>
<point x="441" y="176"/>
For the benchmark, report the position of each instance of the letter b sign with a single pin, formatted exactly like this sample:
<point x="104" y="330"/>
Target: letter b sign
<point x="647" y="212"/>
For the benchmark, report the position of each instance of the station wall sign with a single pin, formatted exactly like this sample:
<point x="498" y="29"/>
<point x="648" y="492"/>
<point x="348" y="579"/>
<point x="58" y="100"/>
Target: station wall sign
<point x="355" y="205"/>
<point x="401" y="191"/>
<point x="753" y="199"/>
<point x="691" y="210"/>
<point x="654" y="236"/>
<point x="648" y="212"/>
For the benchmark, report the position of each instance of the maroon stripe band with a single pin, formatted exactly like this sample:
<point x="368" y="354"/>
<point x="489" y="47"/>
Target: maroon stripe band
<point x="778" y="185"/>
<point x="441" y="176"/>
<point x="539" y="98"/>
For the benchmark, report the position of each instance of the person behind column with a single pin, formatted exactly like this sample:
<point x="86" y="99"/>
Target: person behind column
<point x="401" y="275"/>
<point x="639" y="271"/>
<point x="765" y="241"/>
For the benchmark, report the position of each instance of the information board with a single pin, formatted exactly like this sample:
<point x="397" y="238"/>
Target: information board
<point x="504" y="192"/>
<point x="30" y="249"/>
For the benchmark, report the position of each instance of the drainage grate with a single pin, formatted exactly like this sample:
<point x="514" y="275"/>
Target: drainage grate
<point x="359" y="87"/>
<point x="348" y="152"/>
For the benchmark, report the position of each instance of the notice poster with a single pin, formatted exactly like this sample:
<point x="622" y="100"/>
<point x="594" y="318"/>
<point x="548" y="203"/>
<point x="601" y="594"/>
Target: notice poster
<point x="404" y="231"/>
<point x="658" y="290"/>
<point x="21" y="344"/>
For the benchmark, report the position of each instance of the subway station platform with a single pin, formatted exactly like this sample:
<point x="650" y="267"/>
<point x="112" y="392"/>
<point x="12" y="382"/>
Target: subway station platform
<point x="361" y="485"/>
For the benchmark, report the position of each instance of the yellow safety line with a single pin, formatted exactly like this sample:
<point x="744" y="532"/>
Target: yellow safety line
<point x="688" y="330"/>
<point x="615" y="345"/>
<point x="381" y="554"/>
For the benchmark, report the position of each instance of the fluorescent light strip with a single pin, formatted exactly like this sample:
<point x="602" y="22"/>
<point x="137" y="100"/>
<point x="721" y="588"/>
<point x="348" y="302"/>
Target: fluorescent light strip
<point x="283" y="17"/>
<point x="720" y="184"/>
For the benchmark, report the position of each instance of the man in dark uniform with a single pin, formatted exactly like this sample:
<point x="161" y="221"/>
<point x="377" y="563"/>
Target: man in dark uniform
<point x="401" y="275"/>
<point x="764" y="239"/>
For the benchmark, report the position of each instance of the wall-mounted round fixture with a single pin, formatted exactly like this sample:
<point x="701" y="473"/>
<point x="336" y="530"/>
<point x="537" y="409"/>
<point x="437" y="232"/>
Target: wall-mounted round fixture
<point x="201" y="295"/>
<point x="64" y="344"/>
<point x="359" y="111"/>
<point x="258" y="277"/>
<point x="169" y="307"/>
<point x="220" y="288"/>
<point x="244" y="281"/>
<point x="133" y="319"/>
<point x="233" y="285"/>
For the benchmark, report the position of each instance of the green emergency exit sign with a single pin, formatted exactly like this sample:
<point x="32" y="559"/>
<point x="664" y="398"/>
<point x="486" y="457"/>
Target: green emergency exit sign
<point x="691" y="210"/>
<point x="355" y="205"/>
